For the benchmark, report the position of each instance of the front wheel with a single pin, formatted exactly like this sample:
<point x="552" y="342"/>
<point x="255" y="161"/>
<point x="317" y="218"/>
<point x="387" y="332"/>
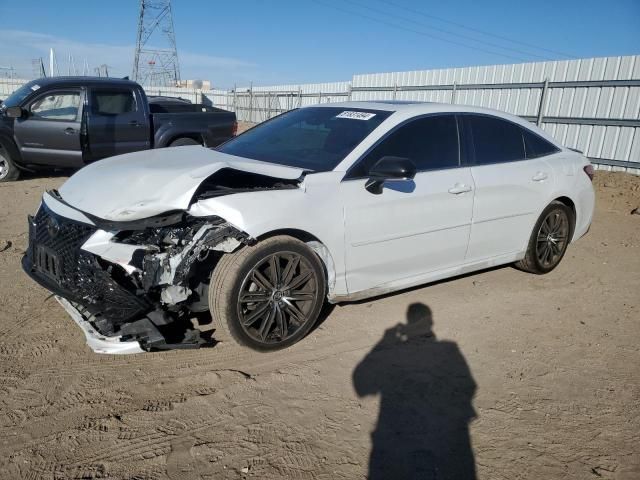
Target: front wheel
<point x="549" y="239"/>
<point x="267" y="296"/>
<point x="8" y="169"/>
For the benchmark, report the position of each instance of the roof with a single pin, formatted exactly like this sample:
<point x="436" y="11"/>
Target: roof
<point x="43" y="82"/>
<point x="404" y="110"/>
<point x="418" y="108"/>
<point x="386" y="105"/>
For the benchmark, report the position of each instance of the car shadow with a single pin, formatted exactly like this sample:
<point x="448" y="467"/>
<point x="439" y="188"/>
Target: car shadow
<point x="426" y="391"/>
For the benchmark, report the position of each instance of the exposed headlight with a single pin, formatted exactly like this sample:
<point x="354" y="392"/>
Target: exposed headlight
<point x="166" y="231"/>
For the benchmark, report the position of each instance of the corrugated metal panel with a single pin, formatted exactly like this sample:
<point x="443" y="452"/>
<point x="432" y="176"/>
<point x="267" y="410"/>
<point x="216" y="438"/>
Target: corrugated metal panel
<point x="616" y="142"/>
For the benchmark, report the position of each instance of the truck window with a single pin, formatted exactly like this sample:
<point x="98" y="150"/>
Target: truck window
<point x="56" y="106"/>
<point x="112" y="102"/>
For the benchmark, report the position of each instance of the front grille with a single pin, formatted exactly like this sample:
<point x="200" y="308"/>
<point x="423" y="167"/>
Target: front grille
<point x="55" y="252"/>
<point x="63" y="238"/>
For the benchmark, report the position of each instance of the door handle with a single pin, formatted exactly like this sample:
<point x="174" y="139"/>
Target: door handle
<point x="539" y="177"/>
<point x="134" y="123"/>
<point x="459" y="188"/>
<point x="70" y="131"/>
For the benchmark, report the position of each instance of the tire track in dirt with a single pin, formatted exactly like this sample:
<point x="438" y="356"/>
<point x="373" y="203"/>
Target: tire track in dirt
<point x="292" y="459"/>
<point x="556" y="392"/>
<point x="70" y="409"/>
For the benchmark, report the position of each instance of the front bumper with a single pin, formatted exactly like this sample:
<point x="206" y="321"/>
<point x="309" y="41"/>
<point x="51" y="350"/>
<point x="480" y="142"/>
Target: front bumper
<point x="97" y="342"/>
<point x="115" y="317"/>
<point x="136" y="337"/>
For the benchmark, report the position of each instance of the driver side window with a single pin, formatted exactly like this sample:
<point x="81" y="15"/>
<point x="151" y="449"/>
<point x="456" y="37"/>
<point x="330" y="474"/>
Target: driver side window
<point x="56" y="106"/>
<point x="431" y="143"/>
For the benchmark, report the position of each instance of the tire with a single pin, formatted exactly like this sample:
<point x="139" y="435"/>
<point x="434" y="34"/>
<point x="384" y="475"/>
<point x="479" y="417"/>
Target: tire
<point x="184" y="141"/>
<point x="8" y="170"/>
<point x="549" y="239"/>
<point x="267" y="317"/>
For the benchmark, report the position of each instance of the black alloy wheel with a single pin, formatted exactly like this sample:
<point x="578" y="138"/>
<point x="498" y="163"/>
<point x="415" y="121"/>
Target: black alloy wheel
<point x="549" y="240"/>
<point x="277" y="297"/>
<point x="267" y="296"/>
<point x="553" y="235"/>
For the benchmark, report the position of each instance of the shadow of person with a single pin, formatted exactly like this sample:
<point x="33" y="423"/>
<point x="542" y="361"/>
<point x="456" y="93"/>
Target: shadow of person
<point x="426" y="390"/>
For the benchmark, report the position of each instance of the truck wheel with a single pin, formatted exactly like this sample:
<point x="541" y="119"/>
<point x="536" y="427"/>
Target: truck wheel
<point x="267" y="296"/>
<point x="8" y="169"/>
<point x="549" y="239"/>
<point x="181" y="142"/>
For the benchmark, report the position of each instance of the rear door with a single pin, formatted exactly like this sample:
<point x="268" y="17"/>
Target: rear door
<point x="49" y="133"/>
<point x="117" y="122"/>
<point x="412" y="227"/>
<point x="511" y="188"/>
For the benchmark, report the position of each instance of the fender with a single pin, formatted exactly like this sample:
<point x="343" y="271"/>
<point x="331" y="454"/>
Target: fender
<point x="252" y="213"/>
<point x="168" y="132"/>
<point x="8" y="143"/>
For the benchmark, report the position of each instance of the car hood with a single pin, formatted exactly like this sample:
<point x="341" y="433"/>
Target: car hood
<point x="139" y="185"/>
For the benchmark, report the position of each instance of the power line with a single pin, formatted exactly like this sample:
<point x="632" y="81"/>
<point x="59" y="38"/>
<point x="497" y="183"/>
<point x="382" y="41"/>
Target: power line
<point x="472" y="29"/>
<point x="419" y="32"/>
<point x="447" y="32"/>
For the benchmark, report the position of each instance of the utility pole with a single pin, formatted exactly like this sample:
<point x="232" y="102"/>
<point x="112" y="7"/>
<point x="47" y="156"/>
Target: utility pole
<point x="38" y="68"/>
<point x="53" y="64"/>
<point x="156" y="55"/>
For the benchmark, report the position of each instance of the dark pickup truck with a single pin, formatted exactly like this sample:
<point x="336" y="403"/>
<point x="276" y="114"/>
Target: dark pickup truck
<point x="67" y="122"/>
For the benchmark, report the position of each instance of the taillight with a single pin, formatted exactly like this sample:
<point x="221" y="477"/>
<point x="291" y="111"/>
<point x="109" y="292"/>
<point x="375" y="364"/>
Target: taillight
<point x="234" y="131"/>
<point x="590" y="171"/>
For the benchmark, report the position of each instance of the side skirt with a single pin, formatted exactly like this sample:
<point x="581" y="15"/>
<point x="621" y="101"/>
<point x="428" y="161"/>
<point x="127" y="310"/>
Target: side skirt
<point x="428" y="277"/>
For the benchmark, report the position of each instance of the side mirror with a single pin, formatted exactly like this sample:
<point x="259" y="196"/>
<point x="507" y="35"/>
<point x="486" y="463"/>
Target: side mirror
<point x="389" y="168"/>
<point x="14" y="112"/>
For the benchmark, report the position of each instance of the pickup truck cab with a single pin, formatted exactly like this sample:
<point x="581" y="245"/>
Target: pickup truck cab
<point x="67" y="122"/>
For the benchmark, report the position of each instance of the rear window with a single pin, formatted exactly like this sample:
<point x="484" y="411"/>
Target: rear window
<point x="536" y="146"/>
<point x="112" y="102"/>
<point x="314" y="138"/>
<point x="495" y="140"/>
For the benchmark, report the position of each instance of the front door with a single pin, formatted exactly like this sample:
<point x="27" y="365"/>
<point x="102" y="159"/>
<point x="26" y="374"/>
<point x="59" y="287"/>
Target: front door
<point x="412" y="227"/>
<point x="49" y="132"/>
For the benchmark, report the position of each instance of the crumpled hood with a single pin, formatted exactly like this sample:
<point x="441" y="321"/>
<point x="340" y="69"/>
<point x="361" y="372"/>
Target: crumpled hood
<point x="143" y="184"/>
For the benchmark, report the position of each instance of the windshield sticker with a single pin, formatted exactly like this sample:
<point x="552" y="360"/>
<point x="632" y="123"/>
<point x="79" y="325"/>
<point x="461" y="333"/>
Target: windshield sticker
<point x="35" y="87"/>
<point x="356" y="115"/>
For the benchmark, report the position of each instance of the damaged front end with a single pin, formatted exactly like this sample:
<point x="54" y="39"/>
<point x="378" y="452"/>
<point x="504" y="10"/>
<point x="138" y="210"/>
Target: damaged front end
<point x="132" y="286"/>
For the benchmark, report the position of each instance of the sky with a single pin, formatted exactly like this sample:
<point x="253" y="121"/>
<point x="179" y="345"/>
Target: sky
<point x="289" y="42"/>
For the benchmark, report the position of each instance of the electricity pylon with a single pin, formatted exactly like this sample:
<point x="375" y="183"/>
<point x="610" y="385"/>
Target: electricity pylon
<point x="156" y="56"/>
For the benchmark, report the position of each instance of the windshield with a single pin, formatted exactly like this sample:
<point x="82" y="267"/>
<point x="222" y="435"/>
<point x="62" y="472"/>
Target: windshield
<point x="316" y="138"/>
<point x="20" y="94"/>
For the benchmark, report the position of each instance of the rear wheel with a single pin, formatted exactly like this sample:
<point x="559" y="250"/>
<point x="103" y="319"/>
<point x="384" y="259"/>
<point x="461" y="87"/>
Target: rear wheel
<point x="267" y="296"/>
<point x="549" y="239"/>
<point x="181" y="142"/>
<point x="8" y="169"/>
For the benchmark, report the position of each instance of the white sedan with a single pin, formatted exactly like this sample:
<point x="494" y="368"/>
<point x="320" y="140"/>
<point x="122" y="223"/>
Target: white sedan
<point x="332" y="202"/>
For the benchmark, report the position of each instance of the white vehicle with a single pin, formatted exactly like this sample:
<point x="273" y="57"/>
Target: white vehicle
<point x="332" y="202"/>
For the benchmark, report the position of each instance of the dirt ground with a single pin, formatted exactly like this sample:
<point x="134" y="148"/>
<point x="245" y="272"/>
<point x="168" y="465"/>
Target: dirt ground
<point x="522" y="376"/>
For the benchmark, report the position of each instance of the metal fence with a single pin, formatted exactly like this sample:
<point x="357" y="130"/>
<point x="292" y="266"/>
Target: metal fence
<point x="8" y="85"/>
<point x="603" y="124"/>
<point x="590" y="104"/>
